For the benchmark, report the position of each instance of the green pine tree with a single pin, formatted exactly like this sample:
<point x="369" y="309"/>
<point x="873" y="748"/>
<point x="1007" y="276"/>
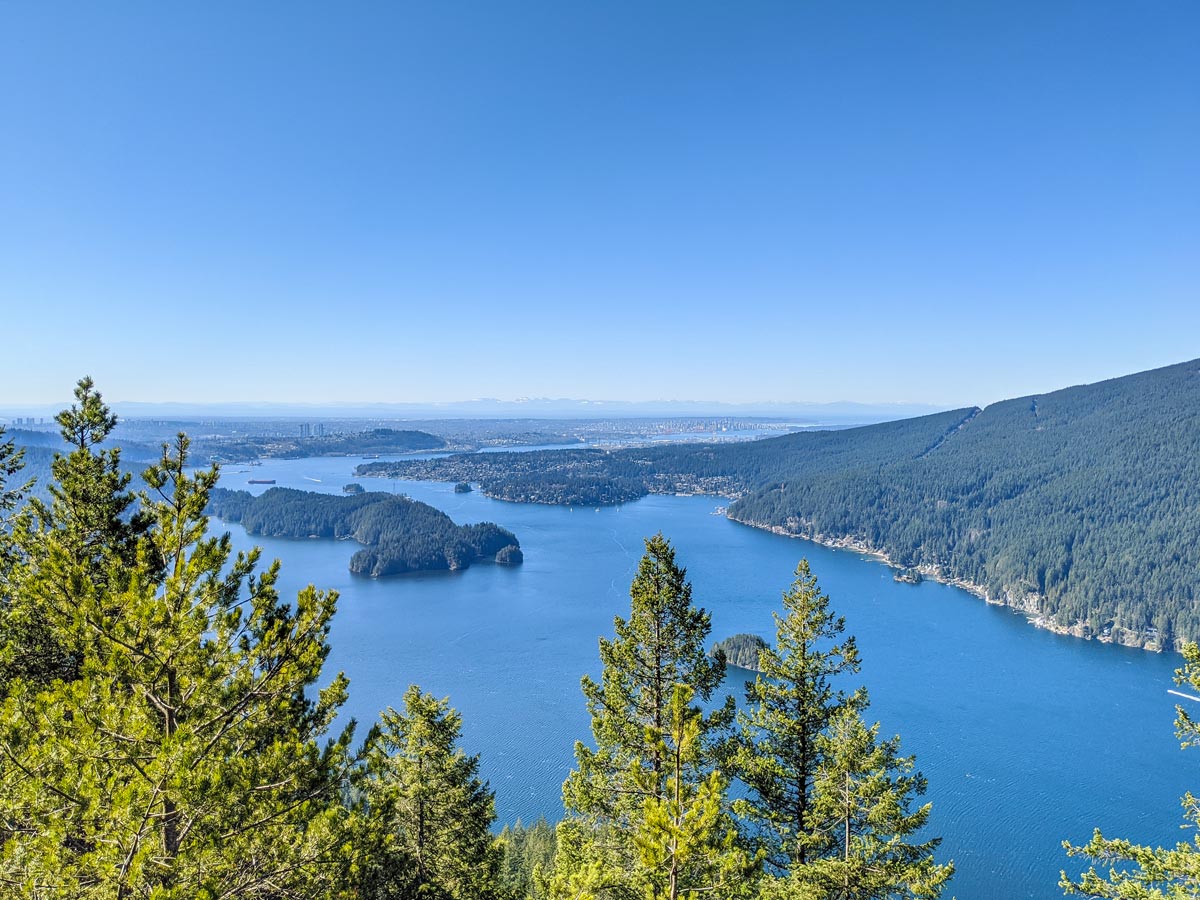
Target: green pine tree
<point x="793" y="701"/>
<point x="181" y="759"/>
<point x="428" y="814"/>
<point x="11" y="463"/>
<point x="862" y="802"/>
<point x="528" y="859"/>
<point x="1130" y="871"/>
<point x="85" y="540"/>
<point x="687" y="845"/>
<point x="630" y="772"/>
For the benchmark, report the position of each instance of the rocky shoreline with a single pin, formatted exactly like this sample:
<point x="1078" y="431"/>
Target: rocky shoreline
<point x="1027" y="606"/>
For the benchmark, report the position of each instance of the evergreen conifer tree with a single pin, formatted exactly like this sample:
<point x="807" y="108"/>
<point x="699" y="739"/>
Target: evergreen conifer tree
<point x="429" y="815"/>
<point x="85" y="538"/>
<point x="528" y="859"/>
<point x="862" y="802"/>
<point x="687" y="845"/>
<point x="181" y="758"/>
<point x="653" y="752"/>
<point x="10" y="499"/>
<point x="793" y="701"/>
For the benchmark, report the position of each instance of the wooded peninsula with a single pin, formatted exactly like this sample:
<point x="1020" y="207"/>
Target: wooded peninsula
<point x="400" y="534"/>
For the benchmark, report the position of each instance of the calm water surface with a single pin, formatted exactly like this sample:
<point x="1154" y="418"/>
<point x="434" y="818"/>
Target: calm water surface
<point x="1027" y="738"/>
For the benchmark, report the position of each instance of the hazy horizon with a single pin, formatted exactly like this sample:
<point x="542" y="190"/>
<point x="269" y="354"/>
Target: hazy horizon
<point x="484" y="408"/>
<point x="528" y="407"/>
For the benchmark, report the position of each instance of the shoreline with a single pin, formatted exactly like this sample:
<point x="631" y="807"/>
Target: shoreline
<point x="936" y="573"/>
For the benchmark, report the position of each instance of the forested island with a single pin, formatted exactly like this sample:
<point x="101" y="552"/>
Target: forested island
<point x="400" y="534"/>
<point x="1079" y="508"/>
<point x="740" y="650"/>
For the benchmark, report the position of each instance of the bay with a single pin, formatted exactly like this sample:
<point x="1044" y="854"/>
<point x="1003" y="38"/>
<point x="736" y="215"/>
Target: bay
<point x="1027" y="738"/>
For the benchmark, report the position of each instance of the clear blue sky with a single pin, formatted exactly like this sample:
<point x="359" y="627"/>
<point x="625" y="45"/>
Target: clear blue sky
<point x="943" y="202"/>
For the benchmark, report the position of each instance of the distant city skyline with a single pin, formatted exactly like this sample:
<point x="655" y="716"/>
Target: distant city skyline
<point x="923" y="203"/>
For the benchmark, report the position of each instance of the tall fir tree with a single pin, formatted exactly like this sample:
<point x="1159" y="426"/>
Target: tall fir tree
<point x="1123" y="870"/>
<point x="182" y="758"/>
<point x="862" y="800"/>
<point x="687" y="845"/>
<point x="629" y="778"/>
<point x="428" y="815"/>
<point x="528" y="859"/>
<point x="11" y="463"/>
<point x="793" y="701"/>
<point x="85" y="538"/>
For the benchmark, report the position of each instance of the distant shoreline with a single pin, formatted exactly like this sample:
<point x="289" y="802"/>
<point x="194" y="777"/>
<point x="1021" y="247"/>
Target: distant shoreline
<point x="935" y="573"/>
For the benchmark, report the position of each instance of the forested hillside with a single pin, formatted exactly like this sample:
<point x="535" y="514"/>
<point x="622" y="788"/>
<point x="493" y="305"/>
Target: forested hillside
<point x="400" y="535"/>
<point x="1080" y="507"/>
<point x="372" y="441"/>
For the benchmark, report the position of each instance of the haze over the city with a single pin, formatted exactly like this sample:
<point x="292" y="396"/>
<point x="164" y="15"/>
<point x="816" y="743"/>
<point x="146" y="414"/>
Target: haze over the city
<point x="426" y="202"/>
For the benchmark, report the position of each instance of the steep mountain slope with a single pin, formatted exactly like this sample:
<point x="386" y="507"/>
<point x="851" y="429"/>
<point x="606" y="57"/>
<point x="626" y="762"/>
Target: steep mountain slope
<point x="1080" y="506"/>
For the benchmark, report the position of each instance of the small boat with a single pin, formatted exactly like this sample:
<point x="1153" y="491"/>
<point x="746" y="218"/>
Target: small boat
<point x="261" y="481"/>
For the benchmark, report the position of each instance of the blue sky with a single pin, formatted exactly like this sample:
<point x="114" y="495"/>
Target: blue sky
<point x="941" y="202"/>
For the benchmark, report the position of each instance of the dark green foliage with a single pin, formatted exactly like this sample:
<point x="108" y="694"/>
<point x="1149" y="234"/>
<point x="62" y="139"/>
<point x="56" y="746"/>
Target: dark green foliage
<point x="740" y="650"/>
<point x="1081" y="505"/>
<point x="182" y="756"/>
<point x="528" y="859"/>
<point x="646" y="812"/>
<point x="829" y="804"/>
<point x="427" y="813"/>
<point x="778" y="748"/>
<point x="863" y="798"/>
<point x="462" y="488"/>
<point x="659" y="646"/>
<point x="400" y="534"/>
<point x="93" y="514"/>
<point x="510" y="555"/>
<point x="84" y="541"/>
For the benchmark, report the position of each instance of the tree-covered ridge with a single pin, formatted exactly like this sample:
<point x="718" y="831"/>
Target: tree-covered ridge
<point x="399" y="534"/>
<point x="1081" y="506"/>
